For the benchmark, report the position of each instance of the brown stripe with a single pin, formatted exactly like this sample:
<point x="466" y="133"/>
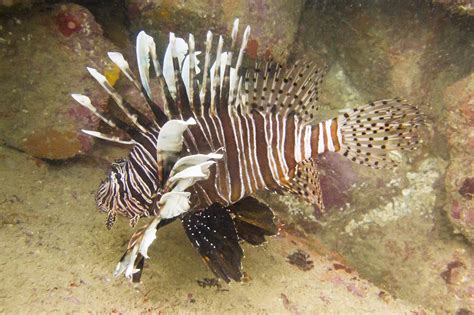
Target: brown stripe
<point x="262" y="156"/>
<point x="290" y="142"/>
<point x="221" y="173"/>
<point x="232" y="156"/>
<point x="201" y="135"/>
<point x="182" y="101"/>
<point x="210" y="186"/>
<point x="314" y="141"/>
<point x="260" y="182"/>
<point x="190" y="141"/>
<point x="241" y="136"/>
<point x="275" y="145"/>
<point x="335" y="140"/>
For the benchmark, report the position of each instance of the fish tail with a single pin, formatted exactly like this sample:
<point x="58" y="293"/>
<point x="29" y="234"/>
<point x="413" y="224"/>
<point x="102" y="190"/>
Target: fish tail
<point x="375" y="133"/>
<point x="372" y="134"/>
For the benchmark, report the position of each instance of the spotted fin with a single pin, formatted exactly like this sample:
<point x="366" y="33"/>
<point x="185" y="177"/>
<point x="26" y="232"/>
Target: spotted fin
<point x="253" y="220"/>
<point x="289" y="90"/>
<point x="212" y="233"/>
<point x="306" y="183"/>
<point x="373" y="134"/>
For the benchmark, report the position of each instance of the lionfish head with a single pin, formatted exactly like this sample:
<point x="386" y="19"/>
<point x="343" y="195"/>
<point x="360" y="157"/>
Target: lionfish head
<point x="129" y="197"/>
<point x="155" y="178"/>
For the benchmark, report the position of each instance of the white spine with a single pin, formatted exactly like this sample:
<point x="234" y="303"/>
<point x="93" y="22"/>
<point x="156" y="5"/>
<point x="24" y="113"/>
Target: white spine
<point x="307" y="142"/>
<point x="327" y="125"/>
<point x="321" y="138"/>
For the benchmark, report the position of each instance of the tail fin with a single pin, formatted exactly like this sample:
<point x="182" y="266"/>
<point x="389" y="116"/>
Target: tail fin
<point x="373" y="133"/>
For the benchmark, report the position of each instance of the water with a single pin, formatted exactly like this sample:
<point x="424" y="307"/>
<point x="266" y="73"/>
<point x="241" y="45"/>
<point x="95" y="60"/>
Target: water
<point x="388" y="244"/>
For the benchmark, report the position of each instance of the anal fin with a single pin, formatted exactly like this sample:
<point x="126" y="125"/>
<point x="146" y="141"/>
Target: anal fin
<point x="306" y="183"/>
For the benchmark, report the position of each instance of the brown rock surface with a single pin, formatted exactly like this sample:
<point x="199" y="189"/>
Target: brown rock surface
<point x="459" y="99"/>
<point x="42" y="61"/>
<point x="274" y="23"/>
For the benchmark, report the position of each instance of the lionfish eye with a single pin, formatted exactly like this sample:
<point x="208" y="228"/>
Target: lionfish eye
<point x="117" y="175"/>
<point x="118" y="162"/>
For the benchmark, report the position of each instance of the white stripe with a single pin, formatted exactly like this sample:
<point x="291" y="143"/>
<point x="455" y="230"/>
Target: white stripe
<point x="297" y="141"/>
<point x="329" y="136"/>
<point x="220" y="166"/>
<point x="201" y="122"/>
<point x="281" y="157"/>
<point x="220" y="131"/>
<point x="241" y="158"/>
<point x="271" y="158"/>
<point x="249" y="153"/>
<point x="321" y="138"/>
<point x="282" y="146"/>
<point x="307" y="142"/>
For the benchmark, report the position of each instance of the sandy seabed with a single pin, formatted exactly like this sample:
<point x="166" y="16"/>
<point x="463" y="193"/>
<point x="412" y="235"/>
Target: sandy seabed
<point x="58" y="257"/>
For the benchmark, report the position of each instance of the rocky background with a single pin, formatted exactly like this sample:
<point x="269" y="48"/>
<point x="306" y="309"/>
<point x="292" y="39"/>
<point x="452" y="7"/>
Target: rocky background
<point x="409" y="232"/>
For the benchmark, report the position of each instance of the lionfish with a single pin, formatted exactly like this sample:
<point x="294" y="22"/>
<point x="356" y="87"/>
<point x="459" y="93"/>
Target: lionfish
<point x="223" y="134"/>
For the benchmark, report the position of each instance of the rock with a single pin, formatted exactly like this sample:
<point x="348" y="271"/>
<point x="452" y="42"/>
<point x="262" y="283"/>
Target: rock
<point x="405" y="247"/>
<point x="378" y="46"/>
<point x="459" y="99"/>
<point x="42" y="61"/>
<point x="462" y="7"/>
<point x="11" y="3"/>
<point x="274" y="23"/>
<point x="385" y="50"/>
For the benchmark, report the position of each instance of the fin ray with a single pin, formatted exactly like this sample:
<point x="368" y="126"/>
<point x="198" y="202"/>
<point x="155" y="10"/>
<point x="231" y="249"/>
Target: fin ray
<point x="372" y="131"/>
<point x="289" y="90"/>
<point x="253" y="220"/>
<point x="306" y="183"/>
<point x="212" y="233"/>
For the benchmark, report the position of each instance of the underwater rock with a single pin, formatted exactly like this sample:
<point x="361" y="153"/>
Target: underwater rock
<point x="462" y="7"/>
<point x="378" y="47"/>
<point x="381" y="51"/>
<point x="14" y="3"/>
<point x="405" y="247"/>
<point x="459" y="181"/>
<point x="42" y="61"/>
<point x="274" y="23"/>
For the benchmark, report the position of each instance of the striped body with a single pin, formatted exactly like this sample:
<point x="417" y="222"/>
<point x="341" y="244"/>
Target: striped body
<point x="261" y="151"/>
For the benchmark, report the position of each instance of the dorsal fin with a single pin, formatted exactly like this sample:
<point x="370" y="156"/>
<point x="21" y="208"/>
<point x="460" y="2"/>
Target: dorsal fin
<point x="306" y="184"/>
<point x="174" y="56"/>
<point x="288" y="89"/>
<point x="225" y="85"/>
<point x="205" y="94"/>
<point x="146" y="48"/>
<point x="118" y="59"/>
<point x="219" y="81"/>
<point x="109" y="120"/>
<point x="220" y="78"/>
<point x="193" y="72"/>
<point x="216" y="77"/>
